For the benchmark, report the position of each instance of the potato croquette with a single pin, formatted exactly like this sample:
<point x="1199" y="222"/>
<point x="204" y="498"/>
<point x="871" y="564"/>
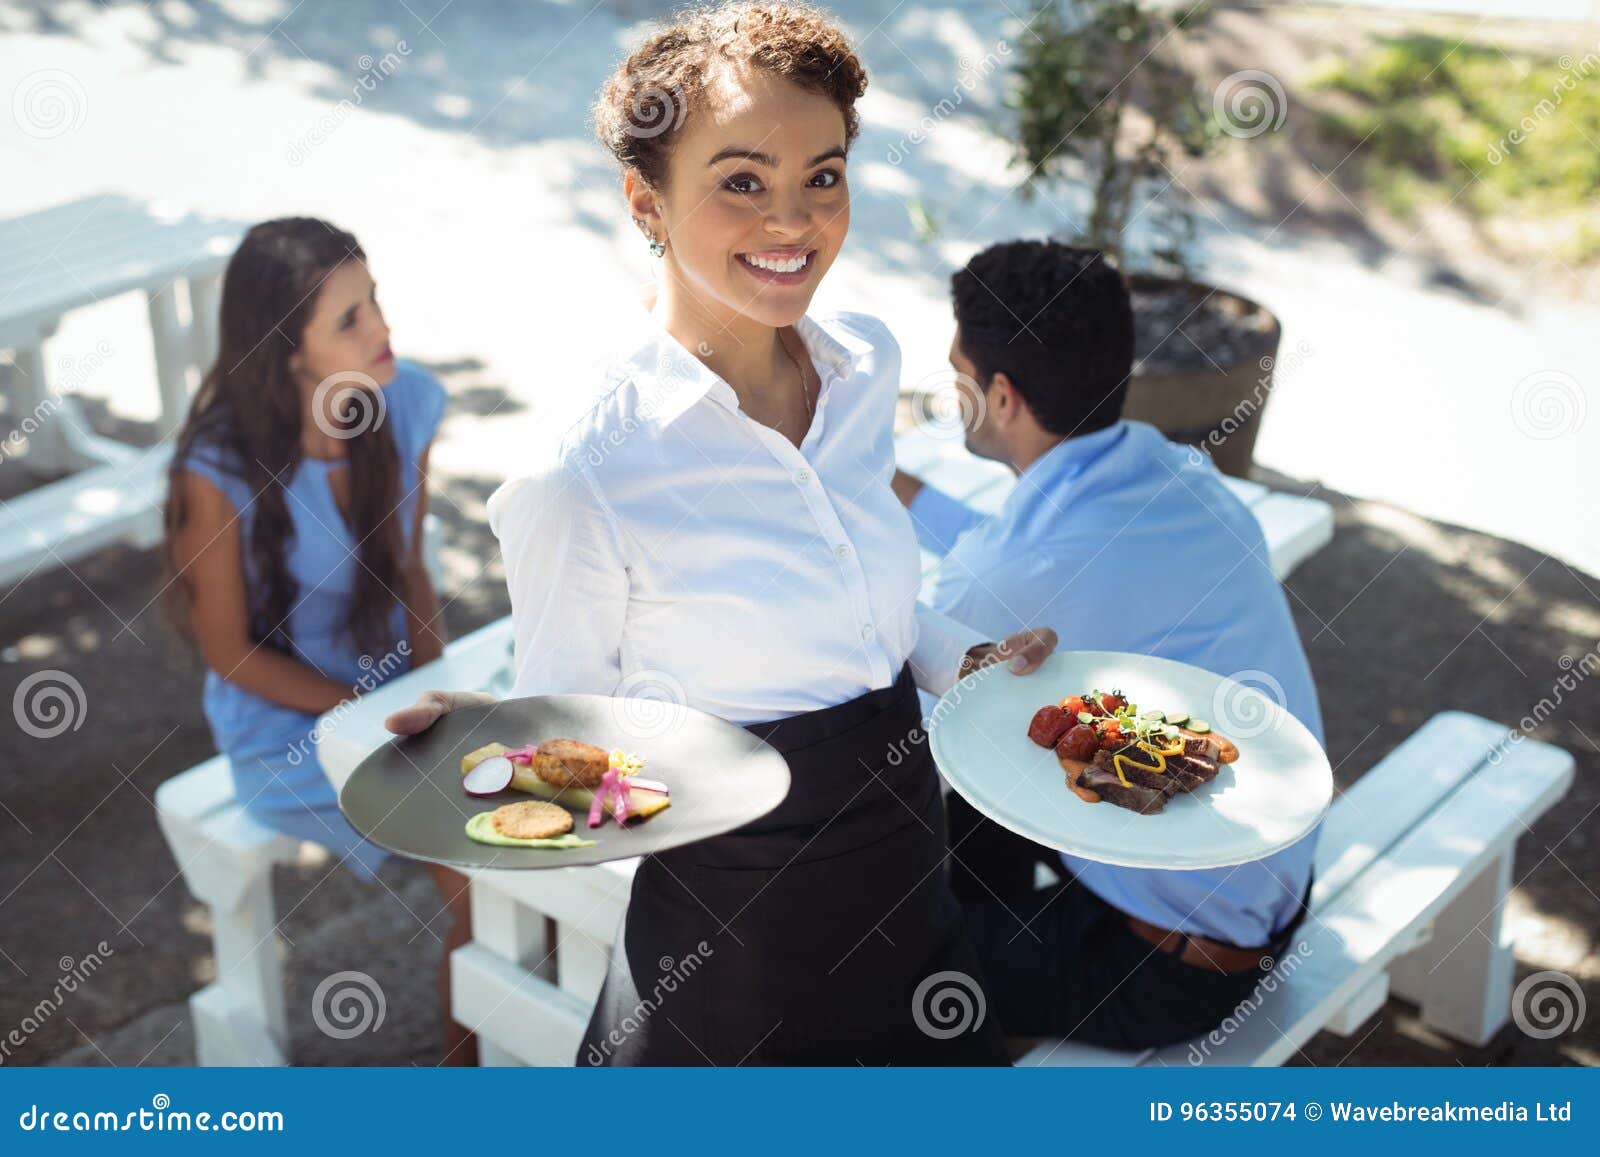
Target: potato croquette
<point x="571" y="763"/>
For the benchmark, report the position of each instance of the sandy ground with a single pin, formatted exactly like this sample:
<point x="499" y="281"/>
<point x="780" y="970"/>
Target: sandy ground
<point x="491" y="218"/>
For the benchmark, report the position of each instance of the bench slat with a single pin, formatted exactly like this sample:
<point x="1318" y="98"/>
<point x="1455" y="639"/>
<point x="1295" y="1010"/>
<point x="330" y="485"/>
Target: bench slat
<point x="203" y="788"/>
<point x="63" y="521"/>
<point x="591" y="899"/>
<point x="1396" y="794"/>
<point x="525" y="1015"/>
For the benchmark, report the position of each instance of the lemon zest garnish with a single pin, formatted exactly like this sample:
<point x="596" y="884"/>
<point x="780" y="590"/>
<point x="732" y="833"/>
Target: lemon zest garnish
<point x="625" y="762"/>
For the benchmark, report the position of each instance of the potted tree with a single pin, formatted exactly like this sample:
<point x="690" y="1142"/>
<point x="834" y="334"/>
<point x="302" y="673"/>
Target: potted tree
<point x="1102" y="96"/>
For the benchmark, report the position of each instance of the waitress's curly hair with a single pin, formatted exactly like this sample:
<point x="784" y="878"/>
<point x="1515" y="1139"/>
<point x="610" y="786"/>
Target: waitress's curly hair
<point x="645" y="103"/>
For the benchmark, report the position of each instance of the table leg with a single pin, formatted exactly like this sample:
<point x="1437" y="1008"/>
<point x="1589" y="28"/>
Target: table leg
<point x="205" y="308"/>
<point x="36" y="414"/>
<point x="171" y="340"/>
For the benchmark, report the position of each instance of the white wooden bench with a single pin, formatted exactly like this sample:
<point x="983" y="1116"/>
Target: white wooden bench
<point x="1413" y="866"/>
<point x="62" y="259"/>
<point x="226" y="858"/>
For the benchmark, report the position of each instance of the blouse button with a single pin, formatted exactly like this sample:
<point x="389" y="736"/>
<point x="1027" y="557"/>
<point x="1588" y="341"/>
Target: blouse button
<point x="803" y="477"/>
<point x="842" y="551"/>
<point x="866" y="631"/>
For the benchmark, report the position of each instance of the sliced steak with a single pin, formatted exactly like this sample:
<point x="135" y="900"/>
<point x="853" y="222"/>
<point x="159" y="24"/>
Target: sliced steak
<point x="1196" y="765"/>
<point x="1139" y="767"/>
<point x="1100" y="778"/>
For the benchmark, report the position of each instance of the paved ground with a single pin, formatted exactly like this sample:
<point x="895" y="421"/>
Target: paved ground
<point x="489" y="217"/>
<point x="1403" y="617"/>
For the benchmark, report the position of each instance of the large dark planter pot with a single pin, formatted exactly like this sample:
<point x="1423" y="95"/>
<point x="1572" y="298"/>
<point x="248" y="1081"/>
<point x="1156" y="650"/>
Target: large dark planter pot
<point x="1212" y="400"/>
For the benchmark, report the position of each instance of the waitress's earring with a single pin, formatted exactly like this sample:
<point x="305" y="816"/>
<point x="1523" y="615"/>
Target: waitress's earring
<point x="657" y="248"/>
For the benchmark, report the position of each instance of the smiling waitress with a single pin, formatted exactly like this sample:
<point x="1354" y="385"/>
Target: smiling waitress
<point x="720" y="523"/>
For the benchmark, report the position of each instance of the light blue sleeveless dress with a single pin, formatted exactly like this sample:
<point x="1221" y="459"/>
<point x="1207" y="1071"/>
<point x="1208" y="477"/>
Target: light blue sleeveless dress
<point x="271" y="750"/>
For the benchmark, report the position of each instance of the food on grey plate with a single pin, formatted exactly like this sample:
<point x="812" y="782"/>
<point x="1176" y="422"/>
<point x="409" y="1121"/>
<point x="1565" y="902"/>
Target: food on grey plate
<point x="571" y="773"/>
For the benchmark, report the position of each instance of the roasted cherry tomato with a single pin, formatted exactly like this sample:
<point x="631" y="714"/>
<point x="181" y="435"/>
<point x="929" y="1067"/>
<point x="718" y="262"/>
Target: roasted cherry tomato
<point x="1111" y="737"/>
<point x="1049" y="724"/>
<point x="1112" y="703"/>
<point x="1079" y="743"/>
<point x="1073" y="704"/>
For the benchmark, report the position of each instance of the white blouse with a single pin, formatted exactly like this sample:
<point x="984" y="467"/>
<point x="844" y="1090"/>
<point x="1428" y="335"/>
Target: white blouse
<point x="668" y="546"/>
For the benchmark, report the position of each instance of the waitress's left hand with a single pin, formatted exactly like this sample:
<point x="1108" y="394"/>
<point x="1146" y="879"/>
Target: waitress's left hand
<point x="1025" y="650"/>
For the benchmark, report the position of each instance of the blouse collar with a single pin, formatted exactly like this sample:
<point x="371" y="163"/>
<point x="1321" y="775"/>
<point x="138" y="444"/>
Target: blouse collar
<point x="670" y="379"/>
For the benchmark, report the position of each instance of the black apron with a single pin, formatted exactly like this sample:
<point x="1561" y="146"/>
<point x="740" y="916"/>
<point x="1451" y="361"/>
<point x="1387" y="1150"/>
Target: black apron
<point x="823" y="933"/>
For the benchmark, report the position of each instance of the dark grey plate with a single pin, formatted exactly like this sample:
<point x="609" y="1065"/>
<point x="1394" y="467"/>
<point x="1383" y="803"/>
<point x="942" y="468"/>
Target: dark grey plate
<point x="407" y="796"/>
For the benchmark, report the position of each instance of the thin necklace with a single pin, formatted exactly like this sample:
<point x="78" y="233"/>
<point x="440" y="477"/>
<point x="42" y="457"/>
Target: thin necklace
<point x="805" y="390"/>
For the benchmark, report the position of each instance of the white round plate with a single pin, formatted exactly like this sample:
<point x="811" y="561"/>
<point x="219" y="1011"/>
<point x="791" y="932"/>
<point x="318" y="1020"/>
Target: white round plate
<point x="1274" y="793"/>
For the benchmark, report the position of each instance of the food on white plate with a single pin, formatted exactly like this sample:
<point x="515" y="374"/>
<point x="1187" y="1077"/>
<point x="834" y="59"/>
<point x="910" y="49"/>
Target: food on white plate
<point x="1138" y="760"/>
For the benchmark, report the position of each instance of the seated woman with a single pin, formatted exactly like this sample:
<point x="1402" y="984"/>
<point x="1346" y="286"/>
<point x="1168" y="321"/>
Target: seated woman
<point x="294" y="531"/>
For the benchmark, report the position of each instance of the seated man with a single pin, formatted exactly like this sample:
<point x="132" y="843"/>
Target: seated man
<point x="1122" y="541"/>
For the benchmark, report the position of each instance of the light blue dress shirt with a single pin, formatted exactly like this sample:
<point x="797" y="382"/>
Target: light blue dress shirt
<point x="1122" y="541"/>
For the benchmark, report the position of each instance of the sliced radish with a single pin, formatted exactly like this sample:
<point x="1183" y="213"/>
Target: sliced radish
<point x="490" y="777"/>
<point x="639" y="783"/>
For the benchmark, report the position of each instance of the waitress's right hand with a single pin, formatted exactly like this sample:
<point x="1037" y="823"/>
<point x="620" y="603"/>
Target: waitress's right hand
<point x="427" y="710"/>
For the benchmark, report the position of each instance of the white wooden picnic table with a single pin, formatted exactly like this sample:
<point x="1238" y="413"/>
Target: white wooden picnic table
<point x="63" y="259"/>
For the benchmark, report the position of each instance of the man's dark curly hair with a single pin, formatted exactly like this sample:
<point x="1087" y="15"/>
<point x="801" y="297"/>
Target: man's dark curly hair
<point x="1057" y="321"/>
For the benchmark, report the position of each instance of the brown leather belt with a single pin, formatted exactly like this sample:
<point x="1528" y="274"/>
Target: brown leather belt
<point x="1197" y="950"/>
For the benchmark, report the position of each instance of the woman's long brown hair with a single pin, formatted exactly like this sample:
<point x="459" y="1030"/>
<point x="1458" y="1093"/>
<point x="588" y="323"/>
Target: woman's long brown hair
<point x="248" y="412"/>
